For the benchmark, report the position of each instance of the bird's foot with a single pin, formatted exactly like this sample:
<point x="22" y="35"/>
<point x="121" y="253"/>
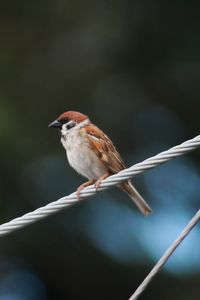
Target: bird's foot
<point x="98" y="181"/>
<point x="82" y="186"/>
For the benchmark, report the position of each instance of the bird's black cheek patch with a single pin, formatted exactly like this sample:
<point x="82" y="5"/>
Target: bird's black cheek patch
<point x="63" y="137"/>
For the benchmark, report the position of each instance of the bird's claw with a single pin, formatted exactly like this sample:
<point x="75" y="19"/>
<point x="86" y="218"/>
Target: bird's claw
<point x="82" y="186"/>
<point x="98" y="182"/>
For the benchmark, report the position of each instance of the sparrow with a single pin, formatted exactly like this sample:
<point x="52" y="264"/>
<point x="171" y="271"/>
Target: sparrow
<point x="92" y="154"/>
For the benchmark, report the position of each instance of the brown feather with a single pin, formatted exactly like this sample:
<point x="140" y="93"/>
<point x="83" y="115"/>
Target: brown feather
<point x="112" y="160"/>
<point x="72" y="115"/>
<point x="104" y="149"/>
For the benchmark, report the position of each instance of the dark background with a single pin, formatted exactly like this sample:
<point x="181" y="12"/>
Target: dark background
<point x="134" y="68"/>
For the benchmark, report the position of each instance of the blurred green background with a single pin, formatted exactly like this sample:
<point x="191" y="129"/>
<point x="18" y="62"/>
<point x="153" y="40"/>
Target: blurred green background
<point x="134" y="68"/>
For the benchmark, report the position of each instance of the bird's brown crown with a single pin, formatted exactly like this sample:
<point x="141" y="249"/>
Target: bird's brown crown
<point x="72" y="115"/>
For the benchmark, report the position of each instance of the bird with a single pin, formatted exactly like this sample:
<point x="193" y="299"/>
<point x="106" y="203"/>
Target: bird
<point x="92" y="154"/>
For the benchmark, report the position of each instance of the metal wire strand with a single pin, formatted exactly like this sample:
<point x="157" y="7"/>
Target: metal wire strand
<point x="166" y="256"/>
<point x="128" y="173"/>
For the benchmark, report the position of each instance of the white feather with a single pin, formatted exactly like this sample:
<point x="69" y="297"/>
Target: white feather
<point x="80" y="156"/>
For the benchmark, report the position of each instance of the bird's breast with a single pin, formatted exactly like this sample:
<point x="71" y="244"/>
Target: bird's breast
<point x="81" y="157"/>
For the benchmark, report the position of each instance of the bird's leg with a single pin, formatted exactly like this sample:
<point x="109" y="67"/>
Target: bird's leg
<point x="99" y="180"/>
<point x="82" y="186"/>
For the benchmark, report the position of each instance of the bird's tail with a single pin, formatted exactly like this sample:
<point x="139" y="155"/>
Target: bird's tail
<point x="135" y="196"/>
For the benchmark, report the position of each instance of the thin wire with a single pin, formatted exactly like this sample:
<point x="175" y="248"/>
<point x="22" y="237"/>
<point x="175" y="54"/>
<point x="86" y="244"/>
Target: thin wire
<point x="166" y="256"/>
<point x="128" y="173"/>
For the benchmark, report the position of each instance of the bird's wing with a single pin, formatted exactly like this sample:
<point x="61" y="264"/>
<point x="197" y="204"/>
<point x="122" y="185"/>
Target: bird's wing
<point x="104" y="149"/>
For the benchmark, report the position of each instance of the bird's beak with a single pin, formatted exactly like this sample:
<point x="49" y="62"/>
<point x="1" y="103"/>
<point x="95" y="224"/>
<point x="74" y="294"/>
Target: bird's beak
<point x="55" y="124"/>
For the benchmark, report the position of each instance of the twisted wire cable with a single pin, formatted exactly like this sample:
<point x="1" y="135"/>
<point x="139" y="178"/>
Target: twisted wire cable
<point x="166" y="256"/>
<point x="115" y="179"/>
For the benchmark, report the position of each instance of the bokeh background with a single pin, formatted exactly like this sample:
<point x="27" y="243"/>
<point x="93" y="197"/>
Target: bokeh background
<point x="134" y="68"/>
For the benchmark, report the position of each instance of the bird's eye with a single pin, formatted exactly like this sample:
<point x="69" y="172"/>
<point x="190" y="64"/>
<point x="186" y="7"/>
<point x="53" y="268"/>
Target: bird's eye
<point x="70" y="124"/>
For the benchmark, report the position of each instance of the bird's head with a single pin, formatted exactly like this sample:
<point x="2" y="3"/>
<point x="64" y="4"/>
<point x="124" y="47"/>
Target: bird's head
<point x="68" y="120"/>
